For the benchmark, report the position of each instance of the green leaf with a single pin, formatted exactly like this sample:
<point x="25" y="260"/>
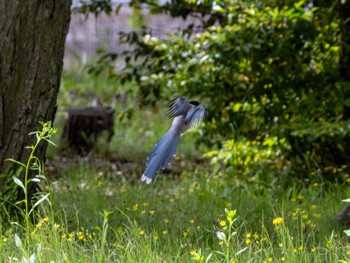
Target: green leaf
<point x="347" y="232"/>
<point x="221" y="235"/>
<point x="242" y="250"/>
<point x="17" y="162"/>
<point x="42" y="199"/>
<point x="19" y="183"/>
<point x="18" y="242"/>
<point x="36" y="180"/>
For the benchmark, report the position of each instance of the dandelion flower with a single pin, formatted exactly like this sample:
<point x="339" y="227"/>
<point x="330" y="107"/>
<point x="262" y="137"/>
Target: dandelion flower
<point x="277" y="221"/>
<point x="70" y="236"/>
<point x="80" y="235"/>
<point x="141" y="232"/>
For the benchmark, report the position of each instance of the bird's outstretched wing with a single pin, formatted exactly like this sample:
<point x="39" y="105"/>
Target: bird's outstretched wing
<point x="177" y="107"/>
<point x="194" y="116"/>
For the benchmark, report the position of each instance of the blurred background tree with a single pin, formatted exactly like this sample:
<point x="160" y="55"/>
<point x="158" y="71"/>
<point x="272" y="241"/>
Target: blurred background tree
<point x="264" y="69"/>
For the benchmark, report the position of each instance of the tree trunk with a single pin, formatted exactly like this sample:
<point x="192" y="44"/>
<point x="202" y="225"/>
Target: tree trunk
<point x="32" y="38"/>
<point x="344" y="60"/>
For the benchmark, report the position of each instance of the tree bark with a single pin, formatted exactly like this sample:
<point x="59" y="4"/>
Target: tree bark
<point x="344" y="59"/>
<point x="32" y="38"/>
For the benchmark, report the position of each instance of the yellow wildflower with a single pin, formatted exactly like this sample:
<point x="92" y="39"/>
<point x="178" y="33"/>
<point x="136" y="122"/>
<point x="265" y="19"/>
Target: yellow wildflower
<point x="141" y="232"/>
<point x="80" y="235"/>
<point x="317" y="215"/>
<point x="70" y="236"/>
<point x="277" y="221"/>
<point x="223" y="224"/>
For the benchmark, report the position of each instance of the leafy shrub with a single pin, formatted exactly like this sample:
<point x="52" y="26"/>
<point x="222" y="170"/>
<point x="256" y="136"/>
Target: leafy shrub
<point x="263" y="69"/>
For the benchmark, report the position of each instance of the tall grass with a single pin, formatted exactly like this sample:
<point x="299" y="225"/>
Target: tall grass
<point x="105" y="218"/>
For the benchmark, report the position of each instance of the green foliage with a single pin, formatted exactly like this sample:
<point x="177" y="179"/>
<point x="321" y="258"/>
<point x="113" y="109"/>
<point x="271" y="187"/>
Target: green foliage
<point x="263" y="68"/>
<point x="258" y="161"/>
<point x="32" y="166"/>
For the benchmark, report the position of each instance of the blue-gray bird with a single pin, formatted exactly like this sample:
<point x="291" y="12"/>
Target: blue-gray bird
<point x="186" y="114"/>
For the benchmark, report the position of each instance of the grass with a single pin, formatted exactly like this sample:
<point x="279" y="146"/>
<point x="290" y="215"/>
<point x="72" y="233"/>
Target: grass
<point x="99" y="217"/>
<point x="99" y="211"/>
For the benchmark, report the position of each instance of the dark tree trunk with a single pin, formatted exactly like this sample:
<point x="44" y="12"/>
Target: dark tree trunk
<point x="344" y="60"/>
<point x="344" y="56"/>
<point x="32" y="38"/>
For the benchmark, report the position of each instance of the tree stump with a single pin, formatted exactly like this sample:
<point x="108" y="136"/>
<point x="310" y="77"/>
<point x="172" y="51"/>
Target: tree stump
<point x="85" y="124"/>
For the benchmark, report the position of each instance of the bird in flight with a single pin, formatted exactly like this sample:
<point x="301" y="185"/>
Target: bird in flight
<point x="186" y="114"/>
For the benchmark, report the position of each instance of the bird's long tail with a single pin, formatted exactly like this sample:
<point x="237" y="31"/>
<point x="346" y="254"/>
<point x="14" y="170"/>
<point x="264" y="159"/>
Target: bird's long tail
<point x="161" y="155"/>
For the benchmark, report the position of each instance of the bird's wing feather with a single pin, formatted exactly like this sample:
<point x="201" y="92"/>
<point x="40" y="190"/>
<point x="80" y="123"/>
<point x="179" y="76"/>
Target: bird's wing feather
<point x="194" y="116"/>
<point x="177" y="107"/>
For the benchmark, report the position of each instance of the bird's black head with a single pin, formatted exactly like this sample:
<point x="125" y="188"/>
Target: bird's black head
<point x="195" y="103"/>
